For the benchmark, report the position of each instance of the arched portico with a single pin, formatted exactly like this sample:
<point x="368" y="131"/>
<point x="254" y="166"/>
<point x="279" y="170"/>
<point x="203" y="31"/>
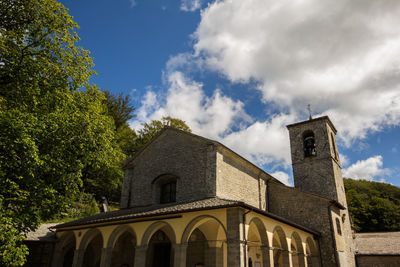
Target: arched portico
<point x="122" y="243"/>
<point x="296" y="249"/>
<point x="312" y="254"/>
<point x="257" y="244"/>
<point x="205" y="237"/>
<point x="92" y="246"/>
<point x="159" y="241"/>
<point x="65" y="250"/>
<point x="280" y="248"/>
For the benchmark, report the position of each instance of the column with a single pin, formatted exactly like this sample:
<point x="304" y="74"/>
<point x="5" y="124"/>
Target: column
<point x="78" y="258"/>
<point x="266" y="258"/>
<point x="235" y="236"/>
<point x="214" y="254"/>
<point x="180" y="255"/>
<point x="106" y="254"/>
<point x="287" y="258"/>
<point x="140" y="256"/>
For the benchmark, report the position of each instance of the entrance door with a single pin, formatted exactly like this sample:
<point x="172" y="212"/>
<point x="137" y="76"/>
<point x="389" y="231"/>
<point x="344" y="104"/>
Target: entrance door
<point x="162" y="252"/>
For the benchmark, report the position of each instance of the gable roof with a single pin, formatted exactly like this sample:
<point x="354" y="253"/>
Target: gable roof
<point x="132" y="214"/>
<point x="201" y="138"/>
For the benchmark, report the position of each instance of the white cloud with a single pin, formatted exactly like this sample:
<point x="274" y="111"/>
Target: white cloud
<point x="342" y="57"/>
<point x="208" y="116"/>
<point x="214" y="117"/>
<point x="369" y="169"/>
<point x="283" y="177"/>
<point x="190" y="5"/>
<point x="263" y="142"/>
<point x="133" y="3"/>
<point x="344" y="160"/>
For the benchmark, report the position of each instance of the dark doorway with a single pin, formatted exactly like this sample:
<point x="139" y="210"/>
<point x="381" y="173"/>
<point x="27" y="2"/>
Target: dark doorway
<point x="159" y="251"/>
<point x="162" y="252"/>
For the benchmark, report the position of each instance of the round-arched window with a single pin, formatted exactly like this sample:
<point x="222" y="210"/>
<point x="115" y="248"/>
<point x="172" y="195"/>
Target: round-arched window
<point x="309" y="144"/>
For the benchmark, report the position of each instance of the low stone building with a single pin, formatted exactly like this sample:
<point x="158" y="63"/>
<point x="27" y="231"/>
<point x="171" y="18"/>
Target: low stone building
<point x="189" y="201"/>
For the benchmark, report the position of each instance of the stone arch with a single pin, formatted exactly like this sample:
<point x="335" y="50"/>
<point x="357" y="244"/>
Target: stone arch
<point x="160" y="241"/>
<point x="200" y="220"/>
<point x="205" y="238"/>
<point x="257" y="243"/>
<point x="161" y="225"/>
<point x="117" y="232"/>
<point x="312" y="254"/>
<point x="88" y="236"/>
<point x="297" y="252"/>
<point x="122" y="243"/>
<point x="65" y="250"/>
<point x="92" y="244"/>
<point x="280" y="247"/>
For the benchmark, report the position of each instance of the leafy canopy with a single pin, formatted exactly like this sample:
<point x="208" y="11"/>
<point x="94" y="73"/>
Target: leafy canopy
<point x="55" y="131"/>
<point x="373" y="206"/>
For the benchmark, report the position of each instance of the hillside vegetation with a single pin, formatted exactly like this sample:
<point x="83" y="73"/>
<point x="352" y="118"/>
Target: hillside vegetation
<point x="373" y="206"/>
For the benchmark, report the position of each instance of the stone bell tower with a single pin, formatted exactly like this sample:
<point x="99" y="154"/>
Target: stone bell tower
<point x="315" y="158"/>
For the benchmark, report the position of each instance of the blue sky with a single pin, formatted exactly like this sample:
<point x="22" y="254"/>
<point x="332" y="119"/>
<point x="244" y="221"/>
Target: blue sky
<point x="239" y="71"/>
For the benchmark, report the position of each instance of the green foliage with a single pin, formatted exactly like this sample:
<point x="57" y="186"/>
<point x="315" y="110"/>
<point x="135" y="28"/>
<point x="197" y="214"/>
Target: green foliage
<point x="119" y="108"/>
<point x="152" y="128"/>
<point x="373" y="206"/>
<point x="55" y="136"/>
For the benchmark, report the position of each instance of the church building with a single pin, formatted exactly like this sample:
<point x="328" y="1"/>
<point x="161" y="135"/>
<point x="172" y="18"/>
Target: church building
<point x="188" y="201"/>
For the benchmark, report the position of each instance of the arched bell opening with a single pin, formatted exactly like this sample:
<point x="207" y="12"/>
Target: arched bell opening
<point x="309" y="144"/>
<point x="280" y="248"/>
<point x="92" y="255"/>
<point x="123" y="253"/>
<point x="296" y="248"/>
<point x="159" y="250"/>
<point x="206" y="240"/>
<point x="257" y="244"/>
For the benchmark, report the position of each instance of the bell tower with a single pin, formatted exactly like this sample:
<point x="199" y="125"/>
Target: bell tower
<point x="315" y="159"/>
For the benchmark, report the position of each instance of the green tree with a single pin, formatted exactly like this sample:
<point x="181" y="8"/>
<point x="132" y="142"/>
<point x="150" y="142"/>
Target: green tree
<point x="121" y="110"/>
<point x="55" y="131"/>
<point x="151" y="129"/>
<point x="373" y="206"/>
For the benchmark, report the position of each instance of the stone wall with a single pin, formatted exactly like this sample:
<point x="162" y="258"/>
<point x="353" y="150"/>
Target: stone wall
<point x="237" y="181"/>
<point x="308" y="210"/>
<point x="378" y="260"/>
<point x="189" y="158"/>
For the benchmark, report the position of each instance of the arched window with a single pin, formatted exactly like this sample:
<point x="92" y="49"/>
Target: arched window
<point x="334" y="146"/>
<point x="309" y="144"/>
<point x="168" y="192"/>
<point x="164" y="188"/>
<point x="338" y="226"/>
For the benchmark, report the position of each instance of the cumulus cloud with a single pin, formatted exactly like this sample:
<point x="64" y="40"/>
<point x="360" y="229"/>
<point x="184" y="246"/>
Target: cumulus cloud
<point x="342" y="57"/>
<point x="262" y="142"/>
<point x="369" y="169"/>
<point x="283" y="177"/>
<point x="190" y="5"/>
<point x="185" y="99"/>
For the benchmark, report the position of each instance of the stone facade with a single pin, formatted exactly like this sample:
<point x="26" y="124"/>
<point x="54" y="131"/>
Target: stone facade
<point x="321" y="174"/>
<point x="225" y="211"/>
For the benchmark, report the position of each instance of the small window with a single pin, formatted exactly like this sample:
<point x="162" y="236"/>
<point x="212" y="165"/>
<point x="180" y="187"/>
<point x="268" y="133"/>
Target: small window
<point x="338" y="227"/>
<point x="168" y="192"/>
<point x="309" y="144"/>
